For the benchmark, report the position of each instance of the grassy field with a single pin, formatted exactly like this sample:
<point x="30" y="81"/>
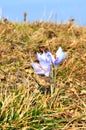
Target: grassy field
<point x="26" y="102"/>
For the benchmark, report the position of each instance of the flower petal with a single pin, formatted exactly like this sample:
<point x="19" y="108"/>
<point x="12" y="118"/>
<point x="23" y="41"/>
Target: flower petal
<point x="41" y="56"/>
<point x="60" y="56"/>
<point x="50" y="57"/>
<point x="42" y="68"/>
<point x="45" y="57"/>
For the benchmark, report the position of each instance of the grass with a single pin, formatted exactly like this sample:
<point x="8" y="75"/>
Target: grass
<point x="25" y="99"/>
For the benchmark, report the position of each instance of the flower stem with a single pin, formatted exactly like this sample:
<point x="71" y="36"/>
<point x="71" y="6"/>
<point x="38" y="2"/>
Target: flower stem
<point x="55" y="74"/>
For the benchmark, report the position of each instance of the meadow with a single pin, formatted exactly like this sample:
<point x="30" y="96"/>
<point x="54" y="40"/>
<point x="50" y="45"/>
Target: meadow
<point x="26" y="102"/>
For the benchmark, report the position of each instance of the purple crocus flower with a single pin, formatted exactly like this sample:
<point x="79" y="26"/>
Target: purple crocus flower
<point x="44" y="66"/>
<point x="59" y="57"/>
<point x="46" y="59"/>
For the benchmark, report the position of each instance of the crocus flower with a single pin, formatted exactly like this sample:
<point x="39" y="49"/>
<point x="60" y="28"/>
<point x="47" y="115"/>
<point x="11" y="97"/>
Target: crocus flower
<point x="59" y="57"/>
<point x="44" y="66"/>
<point x="46" y="59"/>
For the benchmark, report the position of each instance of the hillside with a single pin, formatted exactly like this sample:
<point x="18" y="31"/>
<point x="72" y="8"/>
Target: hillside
<point x="26" y="101"/>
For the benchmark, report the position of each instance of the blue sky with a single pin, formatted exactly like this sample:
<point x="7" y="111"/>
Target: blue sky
<point x="56" y="10"/>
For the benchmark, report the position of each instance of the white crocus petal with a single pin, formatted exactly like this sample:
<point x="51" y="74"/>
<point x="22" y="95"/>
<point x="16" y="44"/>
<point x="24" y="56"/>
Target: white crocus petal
<point x="38" y="69"/>
<point x="51" y="57"/>
<point x="38" y="56"/>
<point x="41" y="56"/>
<point x="41" y="68"/>
<point x="45" y="57"/>
<point x="46" y="67"/>
<point x="60" y="56"/>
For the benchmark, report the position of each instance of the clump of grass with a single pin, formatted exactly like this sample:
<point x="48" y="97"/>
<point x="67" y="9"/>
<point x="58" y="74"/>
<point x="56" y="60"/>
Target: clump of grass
<point x="25" y="99"/>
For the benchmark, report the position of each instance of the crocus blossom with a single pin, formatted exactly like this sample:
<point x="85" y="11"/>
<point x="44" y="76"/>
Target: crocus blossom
<point x="59" y="57"/>
<point x="44" y="66"/>
<point x="46" y="59"/>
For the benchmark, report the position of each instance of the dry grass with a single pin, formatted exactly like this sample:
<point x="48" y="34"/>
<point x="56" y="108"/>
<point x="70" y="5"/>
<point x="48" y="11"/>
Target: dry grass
<point x="25" y="99"/>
